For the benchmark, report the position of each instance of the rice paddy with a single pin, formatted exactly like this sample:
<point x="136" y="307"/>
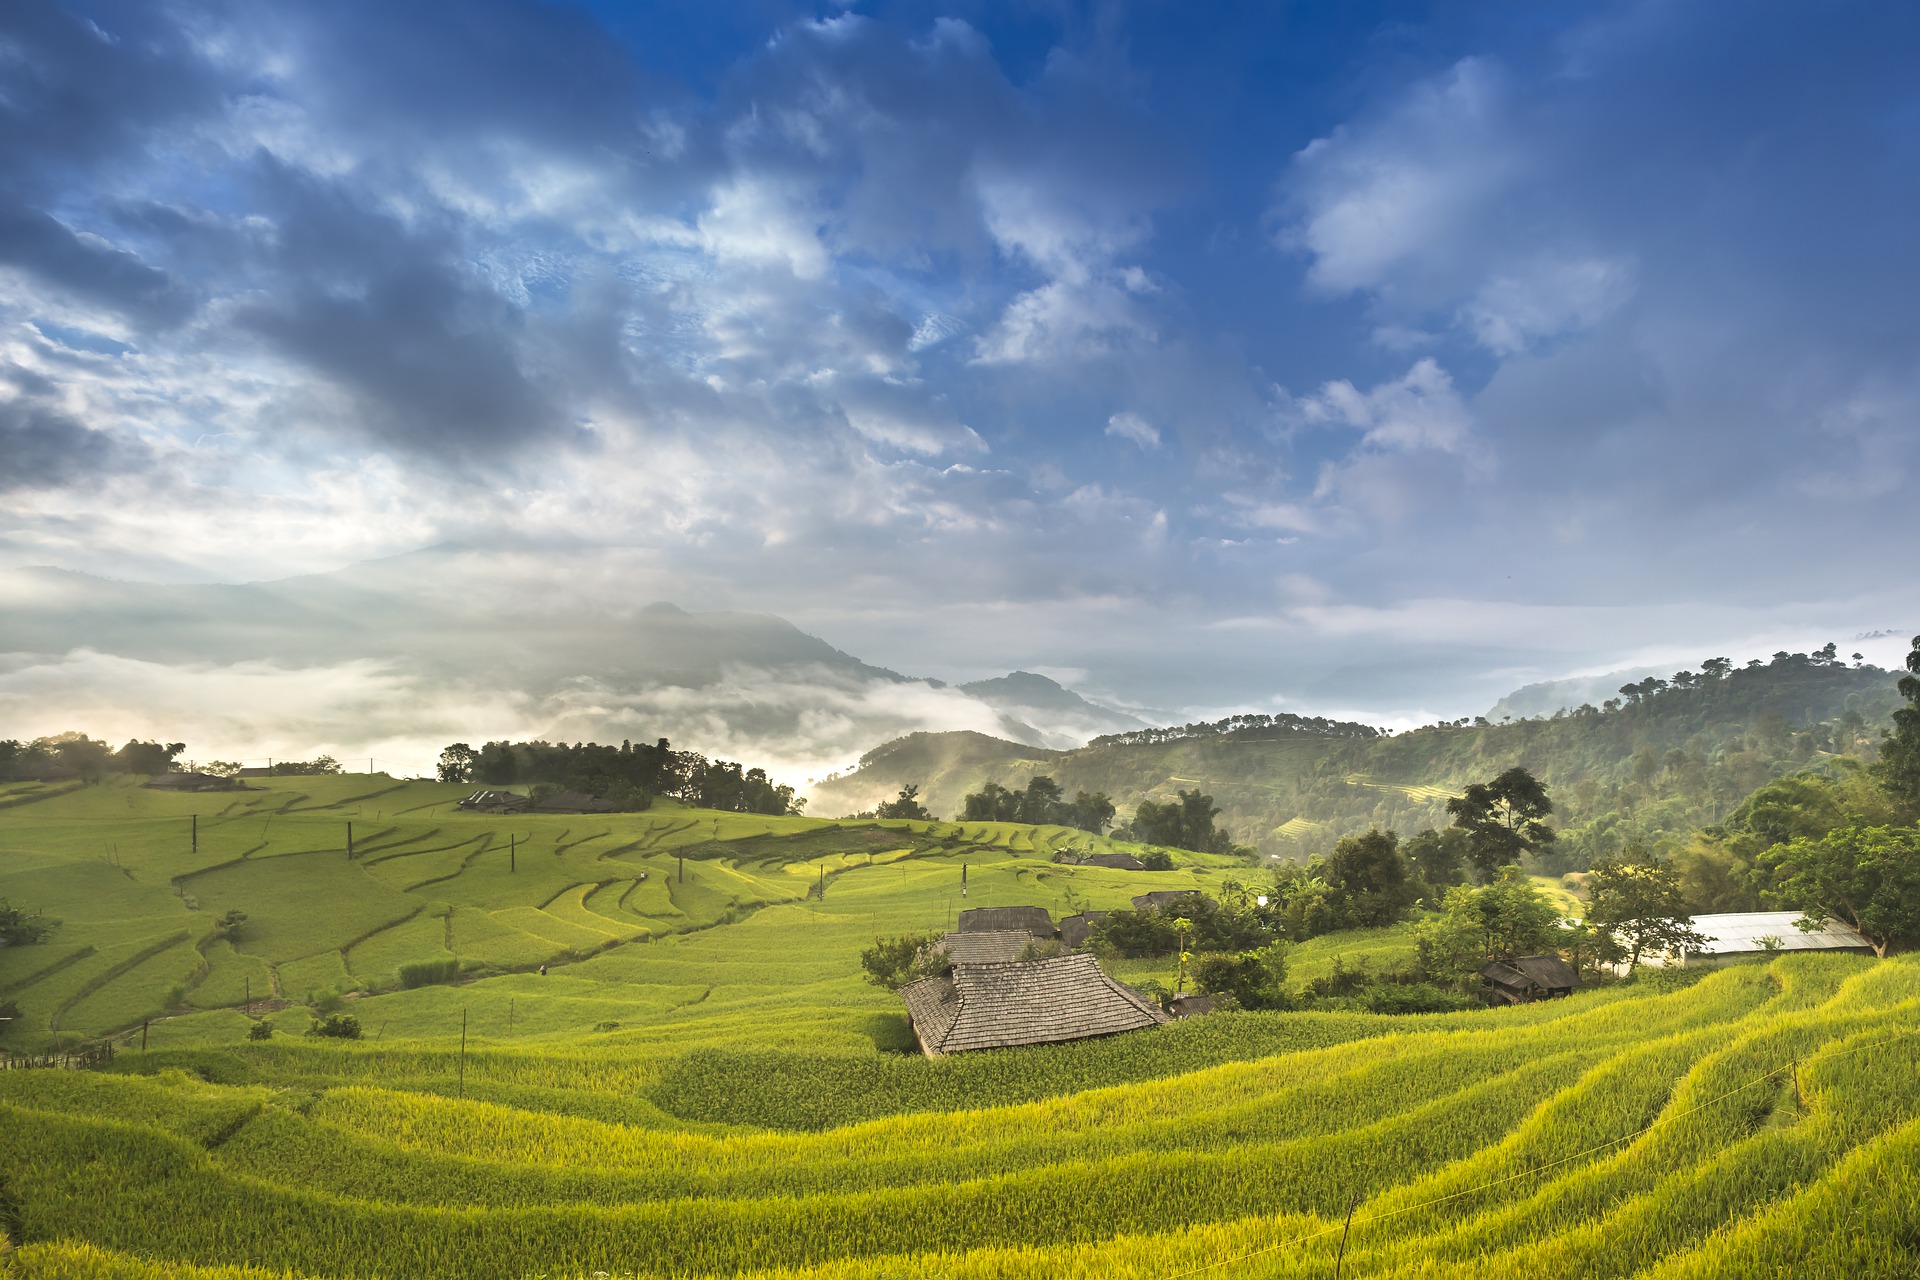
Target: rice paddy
<point x="701" y="1083"/>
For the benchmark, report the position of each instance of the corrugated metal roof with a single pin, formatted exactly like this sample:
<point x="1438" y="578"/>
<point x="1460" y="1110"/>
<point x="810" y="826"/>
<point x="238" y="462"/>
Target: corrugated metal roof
<point x="997" y="1006"/>
<point x="1739" y="931"/>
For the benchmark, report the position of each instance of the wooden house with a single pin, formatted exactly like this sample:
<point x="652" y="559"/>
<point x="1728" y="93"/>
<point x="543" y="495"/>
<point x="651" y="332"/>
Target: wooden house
<point x="1524" y="979"/>
<point x="1034" y="920"/>
<point x="1000" y="1006"/>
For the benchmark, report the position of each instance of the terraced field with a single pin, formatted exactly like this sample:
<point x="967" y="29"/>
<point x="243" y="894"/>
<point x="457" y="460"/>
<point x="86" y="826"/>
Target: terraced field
<point x="703" y="1085"/>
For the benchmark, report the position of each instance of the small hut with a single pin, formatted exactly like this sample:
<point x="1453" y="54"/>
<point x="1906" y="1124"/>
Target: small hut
<point x="1525" y="979"/>
<point x="1075" y="929"/>
<point x="1034" y="920"/>
<point x="1000" y="1006"/>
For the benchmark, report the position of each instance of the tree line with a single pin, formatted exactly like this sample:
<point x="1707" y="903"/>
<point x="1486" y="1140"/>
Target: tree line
<point x="629" y="776"/>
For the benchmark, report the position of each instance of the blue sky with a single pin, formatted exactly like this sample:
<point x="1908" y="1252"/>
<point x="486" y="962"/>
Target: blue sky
<point x="1360" y="357"/>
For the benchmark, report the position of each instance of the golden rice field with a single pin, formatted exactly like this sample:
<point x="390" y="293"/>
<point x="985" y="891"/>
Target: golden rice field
<point x="716" y="1093"/>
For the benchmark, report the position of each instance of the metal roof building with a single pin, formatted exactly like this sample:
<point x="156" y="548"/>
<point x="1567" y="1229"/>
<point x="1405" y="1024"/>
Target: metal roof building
<point x="999" y="1006"/>
<point x="1743" y="933"/>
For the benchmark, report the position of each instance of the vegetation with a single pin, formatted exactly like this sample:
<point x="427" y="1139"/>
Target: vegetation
<point x="628" y="776"/>
<point x="1041" y="803"/>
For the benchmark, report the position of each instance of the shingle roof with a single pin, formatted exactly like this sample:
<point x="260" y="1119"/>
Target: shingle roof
<point x="1075" y="929"/>
<point x="1034" y="920"/>
<point x="1741" y="931"/>
<point x="996" y="1006"/>
<point x="1549" y="973"/>
<point x="997" y="946"/>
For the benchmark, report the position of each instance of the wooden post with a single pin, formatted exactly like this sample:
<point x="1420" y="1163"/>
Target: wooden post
<point x="683" y="868"/>
<point x="509" y="1014"/>
<point x="513" y="852"/>
<point x="143" y="1037"/>
<point x="463" y="1053"/>
<point x="249" y="997"/>
<point x="196" y="833"/>
<point x="349" y="842"/>
<point x="1341" y="1256"/>
<point x="963" y="879"/>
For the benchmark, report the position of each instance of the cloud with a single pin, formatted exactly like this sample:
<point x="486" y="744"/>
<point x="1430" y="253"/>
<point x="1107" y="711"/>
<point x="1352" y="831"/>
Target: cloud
<point x="45" y="447"/>
<point x="1131" y="426"/>
<point x="87" y="267"/>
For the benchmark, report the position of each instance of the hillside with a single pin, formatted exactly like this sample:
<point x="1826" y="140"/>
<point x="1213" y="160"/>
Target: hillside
<point x="1649" y="770"/>
<point x="702" y="1084"/>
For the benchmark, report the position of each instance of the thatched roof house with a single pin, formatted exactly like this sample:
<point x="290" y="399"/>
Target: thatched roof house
<point x="1033" y="920"/>
<point x="1162" y="898"/>
<point x="999" y="1006"/>
<point x="1075" y="929"/>
<point x="1527" y="978"/>
<point x="988" y="946"/>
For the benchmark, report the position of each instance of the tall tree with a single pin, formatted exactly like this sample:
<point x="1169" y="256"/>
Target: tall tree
<point x="1900" y="752"/>
<point x="456" y="763"/>
<point x="1509" y="917"/>
<point x="1866" y="876"/>
<point x="1638" y="904"/>
<point x="905" y="805"/>
<point x="1503" y="819"/>
<point x="1369" y="879"/>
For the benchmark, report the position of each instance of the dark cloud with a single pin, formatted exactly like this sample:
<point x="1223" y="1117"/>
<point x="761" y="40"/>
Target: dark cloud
<point x="98" y="273"/>
<point x="42" y="447"/>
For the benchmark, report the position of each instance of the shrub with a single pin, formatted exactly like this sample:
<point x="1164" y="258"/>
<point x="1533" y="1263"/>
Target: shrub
<point x="894" y="962"/>
<point x="338" y="1026"/>
<point x="422" y="973"/>
<point x="260" y="1031"/>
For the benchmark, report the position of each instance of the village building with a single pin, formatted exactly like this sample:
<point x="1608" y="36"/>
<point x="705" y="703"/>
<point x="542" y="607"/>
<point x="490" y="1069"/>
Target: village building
<point x="1075" y="929"/>
<point x="1184" y="1007"/>
<point x="1002" y="1006"/>
<point x="1112" y="861"/>
<point x="988" y="946"/>
<point x="495" y="802"/>
<point x="1034" y="920"/>
<point x="1161" y="899"/>
<point x="1524" y="979"/>
<point x="1745" y="935"/>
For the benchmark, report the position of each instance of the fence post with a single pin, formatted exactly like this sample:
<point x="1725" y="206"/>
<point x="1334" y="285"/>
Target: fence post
<point x="143" y="1037"/>
<point x="1341" y="1256"/>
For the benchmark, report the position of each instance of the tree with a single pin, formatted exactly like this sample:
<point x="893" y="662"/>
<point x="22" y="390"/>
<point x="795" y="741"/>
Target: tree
<point x="1637" y="903"/>
<point x="1438" y="857"/>
<point x="1185" y="824"/>
<point x="1502" y="819"/>
<point x="894" y="962"/>
<point x="19" y="928"/>
<point x="1092" y="811"/>
<point x="1866" y="876"/>
<point x="1369" y="879"/>
<point x="1040" y="804"/>
<point x="1254" y="979"/>
<point x="992" y="803"/>
<point x="456" y="763"/>
<point x="337" y="1026"/>
<point x="1899" y="766"/>
<point x="148" y="757"/>
<point x="905" y="805"/>
<point x="1507" y="918"/>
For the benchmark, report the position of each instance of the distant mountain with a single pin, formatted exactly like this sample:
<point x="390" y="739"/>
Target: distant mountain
<point x="1062" y="717"/>
<point x="396" y="658"/>
<point x="1647" y="772"/>
<point x="1549" y="696"/>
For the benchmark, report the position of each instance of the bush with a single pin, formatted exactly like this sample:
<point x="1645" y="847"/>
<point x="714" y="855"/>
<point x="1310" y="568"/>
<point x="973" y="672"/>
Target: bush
<point x="1413" y="997"/>
<point x="260" y="1031"/>
<point x="1157" y="860"/>
<point x="338" y="1026"/>
<point x="423" y="973"/>
<point x="895" y="962"/>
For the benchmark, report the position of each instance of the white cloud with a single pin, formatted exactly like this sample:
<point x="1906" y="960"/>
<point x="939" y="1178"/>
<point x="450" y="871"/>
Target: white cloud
<point x="1418" y="411"/>
<point x="1545" y="298"/>
<point x="1131" y="426"/>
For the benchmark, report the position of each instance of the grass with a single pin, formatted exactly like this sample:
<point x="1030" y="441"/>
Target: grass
<point x="702" y="1083"/>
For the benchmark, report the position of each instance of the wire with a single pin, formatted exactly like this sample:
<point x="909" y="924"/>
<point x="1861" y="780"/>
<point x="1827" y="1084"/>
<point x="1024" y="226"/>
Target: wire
<point x="1537" y="1169"/>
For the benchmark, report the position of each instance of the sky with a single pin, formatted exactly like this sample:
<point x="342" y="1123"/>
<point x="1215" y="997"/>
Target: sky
<point x="1368" y="358"/>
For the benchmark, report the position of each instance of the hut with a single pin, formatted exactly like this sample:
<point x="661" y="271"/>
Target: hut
<point x="987" y="946"/>
<point x="1112" y="861"/>
<point x="1184" y="1007"/>
<point x="1000" y="1006"/>
<point x="1034" y="920"/>
<point x="495" y="802"/>
<point x="1075" y="929"/>
<point x="1524" y="979"/>
<point x="1161" y="899"/>
<point x="1741" y="935"/>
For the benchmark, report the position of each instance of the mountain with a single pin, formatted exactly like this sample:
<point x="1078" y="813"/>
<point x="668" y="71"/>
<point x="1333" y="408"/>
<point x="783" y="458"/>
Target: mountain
<point x="1645" y="772"/>
<point x="1549" y="696"/>
<point x="396" y="658"/>
<point x="1060" y="716"/>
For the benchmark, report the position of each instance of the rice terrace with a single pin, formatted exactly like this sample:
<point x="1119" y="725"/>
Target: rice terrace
<point x="700" y="1081"/>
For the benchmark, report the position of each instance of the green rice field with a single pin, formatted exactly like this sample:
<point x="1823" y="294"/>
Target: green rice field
<point x="703" y="1084"/>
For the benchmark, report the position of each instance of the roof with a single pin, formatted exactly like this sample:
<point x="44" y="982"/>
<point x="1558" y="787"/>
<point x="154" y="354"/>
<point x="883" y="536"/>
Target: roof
<point x="1741" y="931"/>
<point x="999" y="1006"/>
<point x="1034" y="920"/>
<point x="1075" y="929"/>
<point x="1116" y="861"/>
<point x="1164" y="898"/>
<point x="993" y="946"/>
<point x="495" y="801"/>
<point x="1549" y="973"/>
<point x="254" y="771"/>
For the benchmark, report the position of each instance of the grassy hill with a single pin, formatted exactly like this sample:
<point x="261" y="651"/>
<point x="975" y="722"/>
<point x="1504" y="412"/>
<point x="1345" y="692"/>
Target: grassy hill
<point x="1649" y="771"/>
<point x="702" y="1084"/>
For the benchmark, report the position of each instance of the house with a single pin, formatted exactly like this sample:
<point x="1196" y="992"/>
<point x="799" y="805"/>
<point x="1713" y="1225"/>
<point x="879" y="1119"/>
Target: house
<point x="1033" y="920"/>
<point x="1161" y="899"/>
<point x="1742" y="935"/>
<point x="1524" y="979"/>
<point x="1075" y="929"/>
<point x="988" y="946"/>
<point x="1000" y="1006"/>
<point x="1112" y="861"/>
<point x="495" y="802"/>
<point x="573" y="802"/>
<point x="192" y="782"/>
<point x="1184" y="1007"/>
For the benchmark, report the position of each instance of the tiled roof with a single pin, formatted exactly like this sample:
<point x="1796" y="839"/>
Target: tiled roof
<point x="1034" y="920"/>
<point x="996" y="947"/>
<point x="996" y="1006"/>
